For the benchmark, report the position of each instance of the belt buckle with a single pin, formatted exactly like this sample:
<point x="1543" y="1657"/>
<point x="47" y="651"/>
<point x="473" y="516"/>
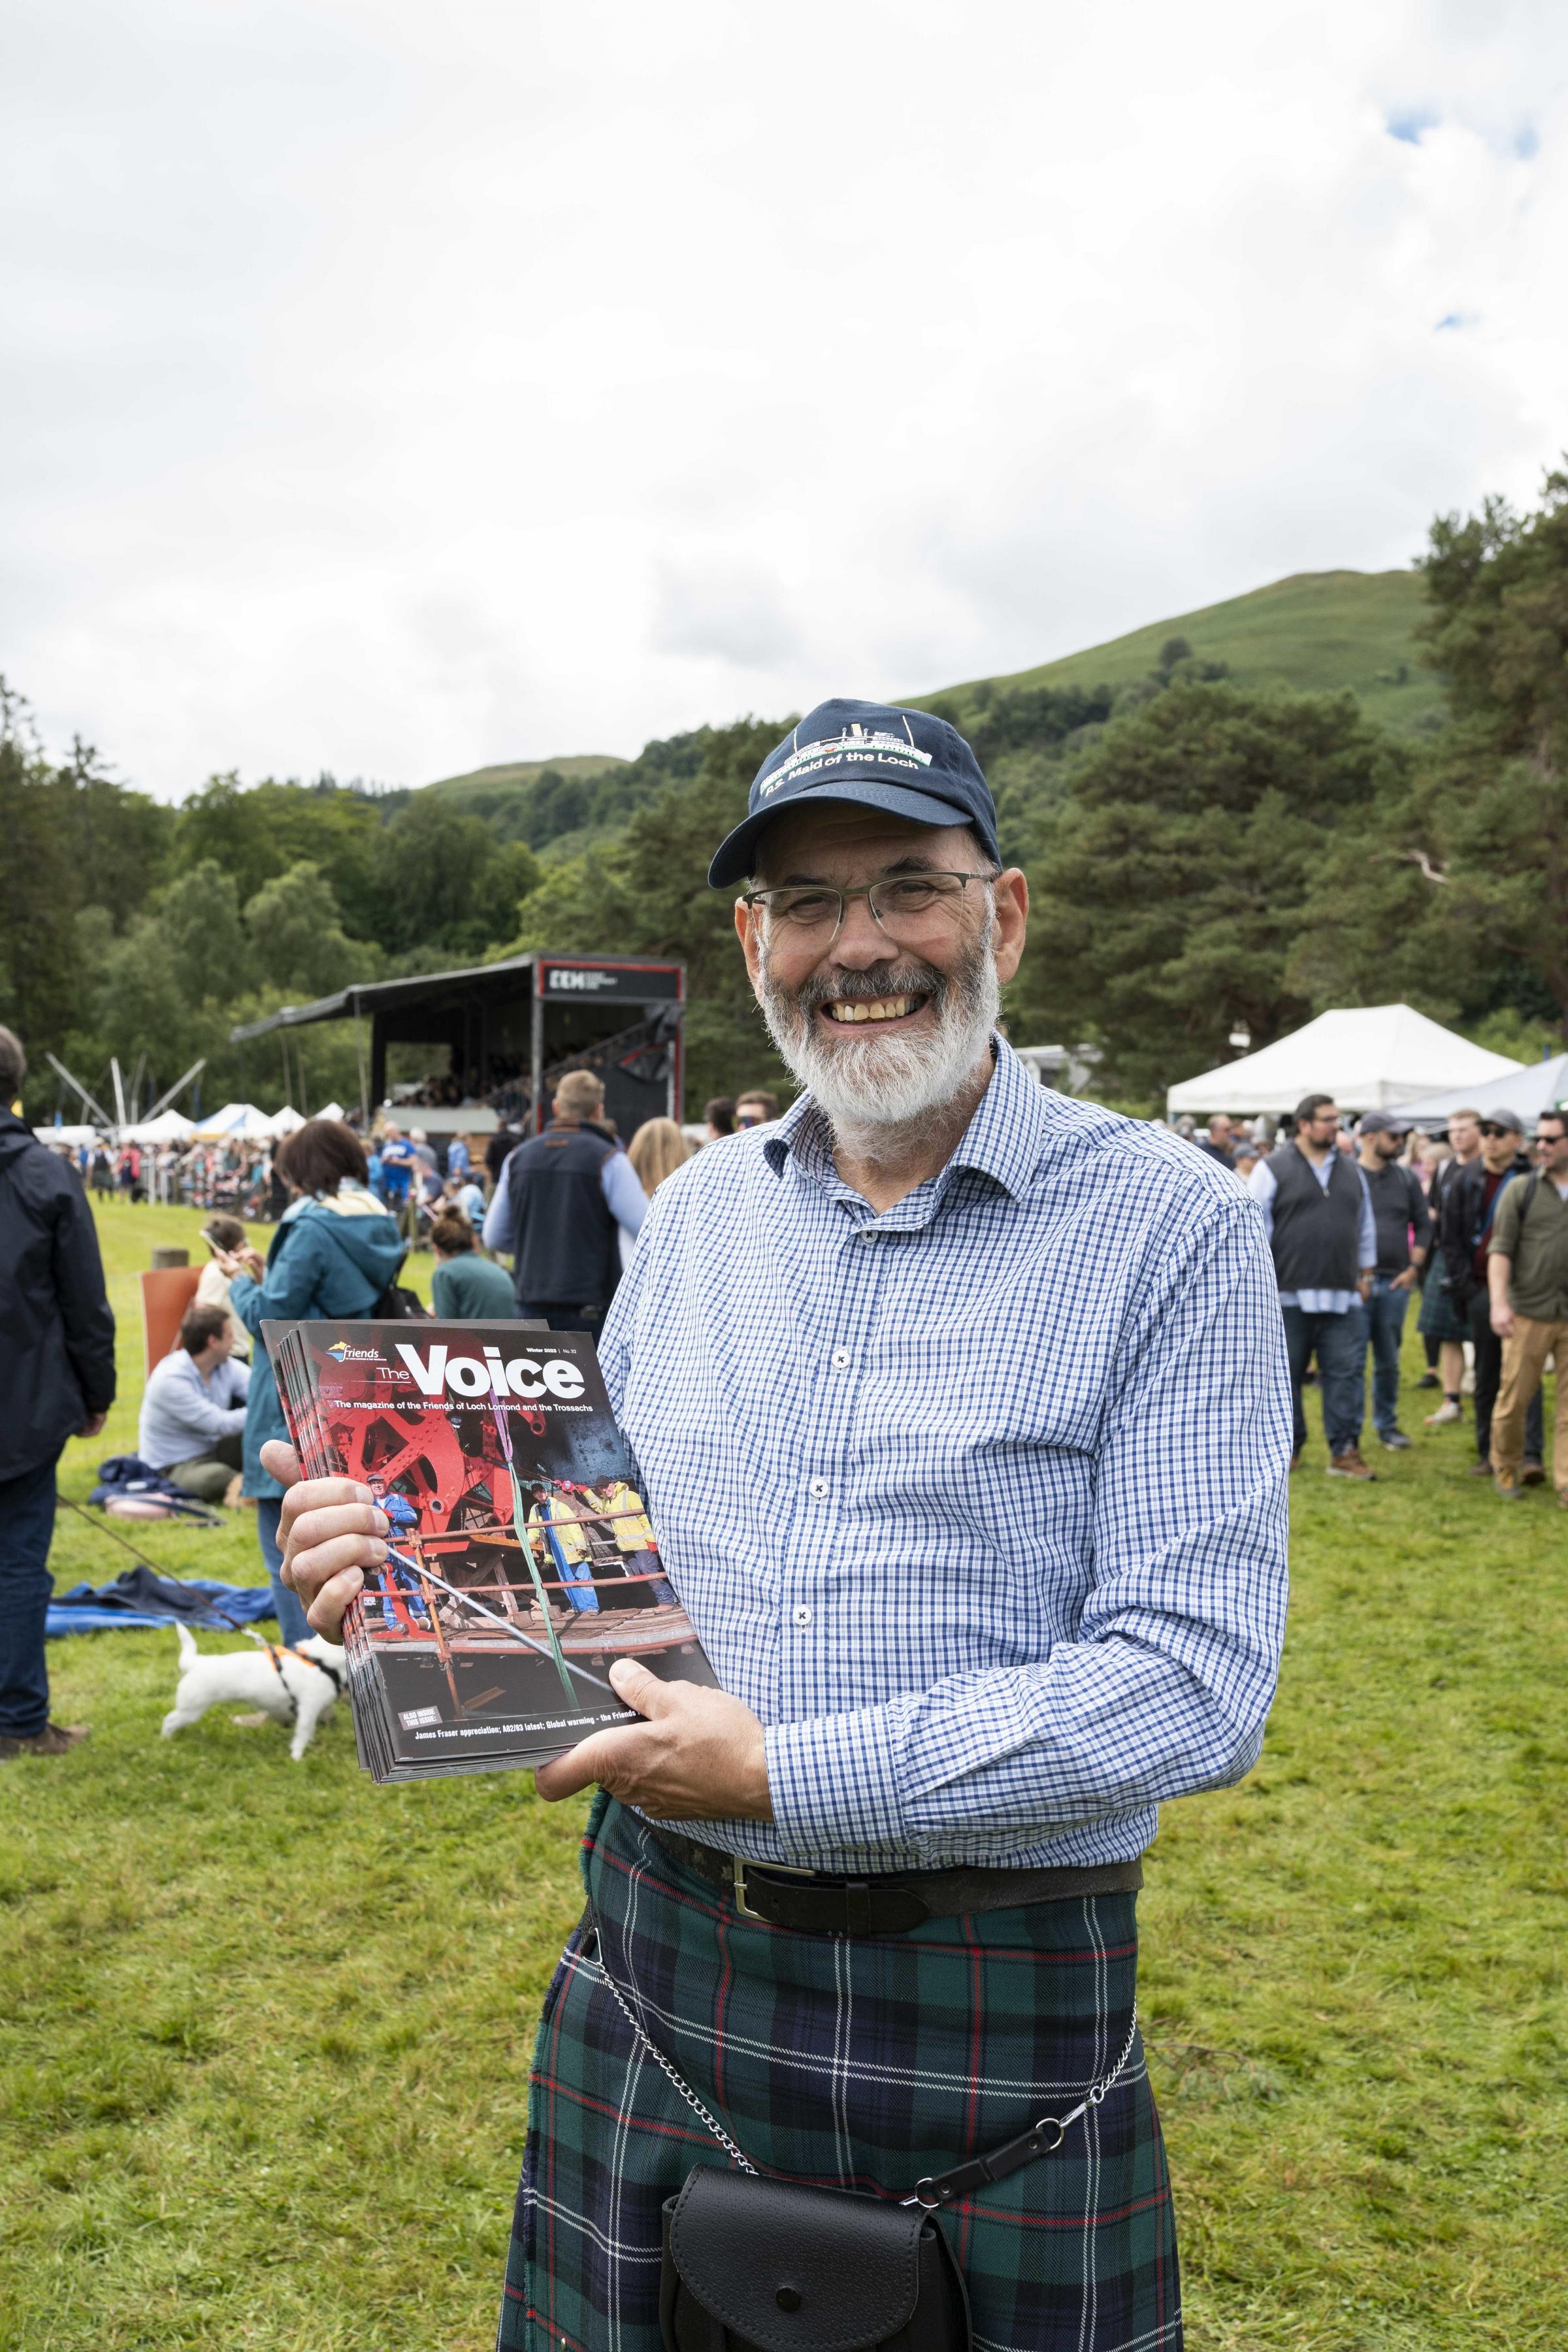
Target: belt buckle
<point x="738" y="1883"/>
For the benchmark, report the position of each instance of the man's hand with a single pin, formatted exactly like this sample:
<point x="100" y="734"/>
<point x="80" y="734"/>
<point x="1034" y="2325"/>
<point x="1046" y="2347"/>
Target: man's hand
<point x="1406" y="1281"/>
<point x="1364" y="1284"/>
<point x="330" y="1536"/>
<point x="697" y="1755"/>
<point x="1502" y="1318"/>
<point x="93" y="1425"/>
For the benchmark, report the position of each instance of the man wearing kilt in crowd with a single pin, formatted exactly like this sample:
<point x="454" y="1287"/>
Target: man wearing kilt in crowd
<point x="961" y="1410"/>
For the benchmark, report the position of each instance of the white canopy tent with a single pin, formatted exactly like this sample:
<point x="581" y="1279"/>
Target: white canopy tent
<point x="255" y="1126"/>
<point x="1369" y="1057"/>
<point x="169" y="1126"/>
<point x="70" y="1139"/>
<point x="329" y="1110"/>
<point x="286" y="1120"/>
<point x="224" y="1122"/>
<point x="1532" y="1088"/>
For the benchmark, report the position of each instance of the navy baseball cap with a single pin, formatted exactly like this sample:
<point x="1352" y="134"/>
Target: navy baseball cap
<point x="904" y="762"/>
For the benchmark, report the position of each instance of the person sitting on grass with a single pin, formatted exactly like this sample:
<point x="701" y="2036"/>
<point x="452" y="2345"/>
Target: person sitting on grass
<point x="221" y="1233"/>
<point x="467" y="1287"/>
<point x="192" y="1428"/>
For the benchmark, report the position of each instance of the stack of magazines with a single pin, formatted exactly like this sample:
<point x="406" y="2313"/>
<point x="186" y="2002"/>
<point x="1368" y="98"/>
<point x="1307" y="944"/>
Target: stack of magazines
<point x="521" y="1563"/>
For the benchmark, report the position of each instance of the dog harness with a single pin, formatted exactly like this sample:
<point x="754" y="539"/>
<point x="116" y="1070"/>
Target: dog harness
<point x="293" y="1651"/>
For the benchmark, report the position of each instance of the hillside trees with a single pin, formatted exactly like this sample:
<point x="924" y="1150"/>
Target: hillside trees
<point x="1169" y="883"/>
<point x="441" y="882"/>
<point x="646" y="893"/>
<point x="1462" y="872"/>
<point x="70" y="836"/>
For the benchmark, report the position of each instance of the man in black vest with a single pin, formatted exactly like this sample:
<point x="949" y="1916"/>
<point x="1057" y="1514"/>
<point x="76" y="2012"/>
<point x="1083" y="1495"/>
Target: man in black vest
<point x="563" y="1200"/>
<point x="1318" y="1214"/>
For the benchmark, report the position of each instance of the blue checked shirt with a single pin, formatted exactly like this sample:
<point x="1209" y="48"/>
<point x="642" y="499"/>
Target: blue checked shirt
<point x="979" y="1504"/>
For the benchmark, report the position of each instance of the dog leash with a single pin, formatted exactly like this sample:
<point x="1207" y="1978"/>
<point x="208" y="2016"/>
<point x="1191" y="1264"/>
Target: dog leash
<point x="211" y="1610"/>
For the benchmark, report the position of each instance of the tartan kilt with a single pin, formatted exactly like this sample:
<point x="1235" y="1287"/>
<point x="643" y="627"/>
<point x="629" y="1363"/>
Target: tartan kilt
<point x="1441" y="1318"/>
<point x="850" y="2062"/>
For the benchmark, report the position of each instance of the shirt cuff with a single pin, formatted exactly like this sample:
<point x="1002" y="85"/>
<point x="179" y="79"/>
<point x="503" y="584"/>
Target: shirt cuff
<point x="832" y="1780"/>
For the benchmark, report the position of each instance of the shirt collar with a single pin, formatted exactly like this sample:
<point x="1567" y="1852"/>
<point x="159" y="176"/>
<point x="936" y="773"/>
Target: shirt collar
<point x="1005" y="1139"/>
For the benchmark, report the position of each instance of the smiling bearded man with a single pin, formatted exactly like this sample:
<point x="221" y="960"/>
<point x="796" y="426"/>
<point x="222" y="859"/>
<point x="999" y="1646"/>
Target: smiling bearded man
<point x="961" y="1415"/>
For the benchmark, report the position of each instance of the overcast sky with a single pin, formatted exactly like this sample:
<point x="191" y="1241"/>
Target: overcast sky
<point x="393" y="389"/>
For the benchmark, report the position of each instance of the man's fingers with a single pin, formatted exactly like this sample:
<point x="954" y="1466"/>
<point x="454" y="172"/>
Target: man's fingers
<point x="281" y="1462"/>
<point x="592" y="1759"/>
<point x="310" y="1567"/>
<point x="327" y="1612"/>
<point x="636" y="1687"/>
<point x="320" y="1494"/>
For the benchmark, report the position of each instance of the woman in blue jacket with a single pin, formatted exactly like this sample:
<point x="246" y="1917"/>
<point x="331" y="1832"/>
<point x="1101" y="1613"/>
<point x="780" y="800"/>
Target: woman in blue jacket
<point x="332" y="1256"/>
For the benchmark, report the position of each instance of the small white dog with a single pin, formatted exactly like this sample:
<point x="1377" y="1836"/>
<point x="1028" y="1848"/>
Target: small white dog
<point x="293" y="1686"/>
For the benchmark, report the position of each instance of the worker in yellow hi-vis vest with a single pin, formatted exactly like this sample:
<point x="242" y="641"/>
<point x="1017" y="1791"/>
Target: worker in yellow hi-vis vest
<point x="555" y="1522"/>
<point x="629" y="1524"/>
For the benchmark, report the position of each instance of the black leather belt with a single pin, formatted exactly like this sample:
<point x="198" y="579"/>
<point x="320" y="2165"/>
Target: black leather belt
<point x="817" y="1903"/>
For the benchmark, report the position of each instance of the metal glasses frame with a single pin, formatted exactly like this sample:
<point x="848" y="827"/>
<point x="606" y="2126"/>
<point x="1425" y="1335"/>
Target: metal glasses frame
<point x="867" y="891"/>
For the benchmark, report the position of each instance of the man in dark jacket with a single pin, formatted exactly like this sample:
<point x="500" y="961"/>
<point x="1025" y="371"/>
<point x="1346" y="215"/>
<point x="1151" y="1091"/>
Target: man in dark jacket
<point x="562" y="1200"/>
<point x="56" y="1380"/>
<point x="1469" y="1209"/>
<point x="1317" y="1213"/>
<point x="1403" y="1226"/>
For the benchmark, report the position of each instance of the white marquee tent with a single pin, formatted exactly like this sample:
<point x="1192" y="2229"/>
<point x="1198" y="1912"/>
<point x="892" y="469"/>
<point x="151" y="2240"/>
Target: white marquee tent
<point x="169" y="1126"/>
<point x="238" y="1122"/>
<point x="1369" y="1057"/>
<point x="224" y="1121"/>
<point x="1528" y="1091"/>
<point x="255" y="1126"/>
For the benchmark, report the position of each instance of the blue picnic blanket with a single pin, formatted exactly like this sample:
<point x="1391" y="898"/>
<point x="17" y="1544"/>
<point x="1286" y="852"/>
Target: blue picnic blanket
<point x="140" y="1599"/>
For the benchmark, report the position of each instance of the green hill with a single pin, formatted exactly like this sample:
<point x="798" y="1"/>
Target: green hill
<point x="578" y="764"/>
<point x="1318" y="632"/>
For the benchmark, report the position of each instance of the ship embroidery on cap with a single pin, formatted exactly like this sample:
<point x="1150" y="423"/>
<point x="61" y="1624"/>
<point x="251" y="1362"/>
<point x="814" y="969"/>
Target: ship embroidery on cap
<point x="876" y="749"/>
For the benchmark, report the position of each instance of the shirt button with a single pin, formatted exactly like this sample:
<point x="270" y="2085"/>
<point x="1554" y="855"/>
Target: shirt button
<point x="817" y="1489"/>
<point x="840" y="1358"/>
<point x="800" y="1616"/>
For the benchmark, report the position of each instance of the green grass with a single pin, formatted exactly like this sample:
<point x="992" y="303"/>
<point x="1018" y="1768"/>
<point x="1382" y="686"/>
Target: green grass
<point x="1318" y="632"/>
<point x="265" y="2042"/>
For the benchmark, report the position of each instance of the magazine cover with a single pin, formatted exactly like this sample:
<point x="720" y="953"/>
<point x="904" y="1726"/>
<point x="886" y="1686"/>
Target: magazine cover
<point x="521" y="1559"/>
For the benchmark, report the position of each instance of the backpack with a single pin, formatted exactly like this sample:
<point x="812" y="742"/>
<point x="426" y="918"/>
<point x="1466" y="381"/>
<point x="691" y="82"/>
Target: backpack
<point x="397" y="1302"/>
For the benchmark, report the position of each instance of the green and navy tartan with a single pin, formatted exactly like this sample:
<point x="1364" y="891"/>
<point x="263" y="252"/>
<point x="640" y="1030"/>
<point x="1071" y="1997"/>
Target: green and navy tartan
<point x="848" y="2062"/>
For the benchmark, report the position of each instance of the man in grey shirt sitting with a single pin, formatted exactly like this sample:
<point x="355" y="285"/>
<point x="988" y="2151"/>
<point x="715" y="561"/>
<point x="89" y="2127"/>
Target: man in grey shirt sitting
<point x="193" y="1414"/>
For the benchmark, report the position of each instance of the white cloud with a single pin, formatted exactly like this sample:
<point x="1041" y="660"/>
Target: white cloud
<point x="396" y="390"/>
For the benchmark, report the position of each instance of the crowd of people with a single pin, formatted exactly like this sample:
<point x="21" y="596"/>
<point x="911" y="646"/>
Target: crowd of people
<point x="1363" y="1216"/>
<point x="235" y="1175"/>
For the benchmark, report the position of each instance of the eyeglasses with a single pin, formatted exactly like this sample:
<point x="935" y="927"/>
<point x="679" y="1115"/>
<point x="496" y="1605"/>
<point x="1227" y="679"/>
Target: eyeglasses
<point x="1489" y="1127"/>
<point x="903" y="903"/>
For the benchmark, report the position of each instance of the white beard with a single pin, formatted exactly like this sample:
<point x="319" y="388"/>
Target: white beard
<point x="874" y="1089"/>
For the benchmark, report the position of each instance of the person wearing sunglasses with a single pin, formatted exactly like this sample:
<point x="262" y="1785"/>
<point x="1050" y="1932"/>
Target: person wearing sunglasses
<point x="1527" y="1271"/>
<point x="962" y="1417"/>
<point x="1469" y="1209"/>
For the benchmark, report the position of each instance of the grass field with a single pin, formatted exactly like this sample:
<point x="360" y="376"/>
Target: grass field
<point x="1318" y="632"/>
<point x="267" y="2027"/>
